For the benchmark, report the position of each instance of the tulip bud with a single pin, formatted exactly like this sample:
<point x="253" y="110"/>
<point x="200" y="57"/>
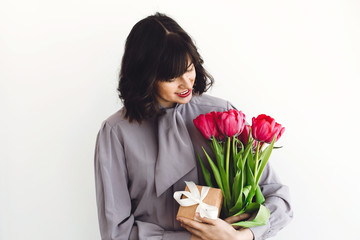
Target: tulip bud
<point x="264" y="128"/>
<point x="206" y="125"/>
<point x="244" y="136"/>
<point x="230" y="123"/>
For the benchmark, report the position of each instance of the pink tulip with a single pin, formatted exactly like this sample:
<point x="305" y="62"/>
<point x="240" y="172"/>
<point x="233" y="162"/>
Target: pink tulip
<point x="264" y="128"/>
<point x="206" y="125"/>
<point x="230" y="123"/>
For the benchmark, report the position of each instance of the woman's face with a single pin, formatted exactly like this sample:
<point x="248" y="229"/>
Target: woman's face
<point x="178" y="90"/>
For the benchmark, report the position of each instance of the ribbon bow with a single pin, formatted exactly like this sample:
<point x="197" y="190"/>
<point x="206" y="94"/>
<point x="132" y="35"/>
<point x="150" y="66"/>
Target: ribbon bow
<point x="194" y="197"/>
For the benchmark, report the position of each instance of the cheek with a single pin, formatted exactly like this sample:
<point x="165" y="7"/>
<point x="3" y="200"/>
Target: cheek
<point x="160" y="89"/>
<point x="165" y="88"/>
<point x="193" y="76"/>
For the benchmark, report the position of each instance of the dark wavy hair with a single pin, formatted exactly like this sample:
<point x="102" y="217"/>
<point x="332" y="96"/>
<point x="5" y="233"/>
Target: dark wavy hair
<point x="157" y="49"/>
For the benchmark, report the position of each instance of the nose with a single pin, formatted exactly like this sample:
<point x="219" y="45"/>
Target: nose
<point x="186" y="81"/>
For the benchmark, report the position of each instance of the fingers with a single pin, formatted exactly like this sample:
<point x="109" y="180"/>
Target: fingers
<point x="238" y="218"/>
<point x="193" y="231"/>
<point x="189" y="222"/>
<point x="192" y="226"/>
<point x="197" y="228"/>
<point x="205" y="219"/>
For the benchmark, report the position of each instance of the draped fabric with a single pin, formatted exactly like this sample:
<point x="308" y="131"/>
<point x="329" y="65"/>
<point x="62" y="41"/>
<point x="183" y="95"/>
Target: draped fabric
<point x="175" y="151"/>
<point x="138" y="167"/>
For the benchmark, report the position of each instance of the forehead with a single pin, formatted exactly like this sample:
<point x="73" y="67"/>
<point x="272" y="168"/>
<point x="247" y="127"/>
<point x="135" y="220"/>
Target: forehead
<point x="173" y="65"/>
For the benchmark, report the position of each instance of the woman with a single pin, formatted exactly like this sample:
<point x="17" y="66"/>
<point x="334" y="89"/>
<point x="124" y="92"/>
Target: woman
<point x="145" y="151"/>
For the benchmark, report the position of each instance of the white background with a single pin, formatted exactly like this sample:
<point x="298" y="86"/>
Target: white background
<point x="298" y="61"/>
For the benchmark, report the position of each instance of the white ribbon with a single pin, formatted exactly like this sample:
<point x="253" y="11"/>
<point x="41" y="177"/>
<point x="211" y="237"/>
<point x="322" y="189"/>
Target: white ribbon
<point x="194" y="197"/>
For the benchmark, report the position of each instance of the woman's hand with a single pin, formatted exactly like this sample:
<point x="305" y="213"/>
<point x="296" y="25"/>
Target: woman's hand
<point x="210" y="229"/>
<point x="238" y="218"/>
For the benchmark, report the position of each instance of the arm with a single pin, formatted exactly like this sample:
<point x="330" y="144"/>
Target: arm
<point x="113" y="200"/>
<point x="211" y="229"/>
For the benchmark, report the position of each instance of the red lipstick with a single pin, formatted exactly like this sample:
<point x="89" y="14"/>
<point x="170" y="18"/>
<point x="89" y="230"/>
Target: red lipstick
<point x="184" y="94"/>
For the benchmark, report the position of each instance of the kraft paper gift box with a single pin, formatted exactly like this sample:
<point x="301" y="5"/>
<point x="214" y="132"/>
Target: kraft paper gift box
<point x="213" y="198"/>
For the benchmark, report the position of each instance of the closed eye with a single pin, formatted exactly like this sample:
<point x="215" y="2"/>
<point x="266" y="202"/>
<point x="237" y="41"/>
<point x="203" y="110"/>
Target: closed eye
<point x="191" y="68"/>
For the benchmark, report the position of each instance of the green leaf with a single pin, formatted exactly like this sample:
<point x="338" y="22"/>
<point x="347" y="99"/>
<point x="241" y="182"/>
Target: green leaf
<point x="243" y="192"/>
<point x="249" y="172"/>
<point x="247" y="151"/>
<point x="264" y="159"/>
<point x="226" y="176"/>
<point x="242" y="145"/>
<point x="239" y="211"/>
<point x="259" y="196"/>
<point x="250" y="162"/>
<point x="251" y="194"/>
<point x="236" y="155"/>
<point x="220" y="177"/>
<point x="215" y="171"/>
<point x="261" y="217"/>
<point x="238" y="161"/>
<point x="205" y="172"/>
<point x="246" y="192"/>
<point x="236" y="187"/>
<point x="219" y="153"/>
<point x="240" y="204"/>
<point x="252" y="207"/>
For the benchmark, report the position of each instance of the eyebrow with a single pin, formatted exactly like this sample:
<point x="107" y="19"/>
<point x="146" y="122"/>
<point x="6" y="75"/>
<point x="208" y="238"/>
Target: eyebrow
<point x="189" y="65"/>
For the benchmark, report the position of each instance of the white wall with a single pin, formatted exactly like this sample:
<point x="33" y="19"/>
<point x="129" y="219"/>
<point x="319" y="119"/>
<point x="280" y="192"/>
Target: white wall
<point x="297" y="61"/>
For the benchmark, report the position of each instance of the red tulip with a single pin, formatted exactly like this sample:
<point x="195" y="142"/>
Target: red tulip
<point x="230" y="123"/>
<point x="244" y="136"/>
<point x="264" y="128"/>
<point x="206" y="125"/>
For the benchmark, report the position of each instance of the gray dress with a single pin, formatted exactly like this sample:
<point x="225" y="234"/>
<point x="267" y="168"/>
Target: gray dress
<point x="138" y="167"/>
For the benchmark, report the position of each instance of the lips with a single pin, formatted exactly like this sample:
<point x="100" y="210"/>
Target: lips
<point x="185" y="93"/>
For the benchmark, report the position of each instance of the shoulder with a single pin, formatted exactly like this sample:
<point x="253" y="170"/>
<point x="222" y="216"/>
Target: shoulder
<point x="115" y="119"/>
<point x="118" y="125"/>
<point x="211" y="102"/>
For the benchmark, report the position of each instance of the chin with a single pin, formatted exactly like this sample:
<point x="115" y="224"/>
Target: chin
<point x="185" y="100"/>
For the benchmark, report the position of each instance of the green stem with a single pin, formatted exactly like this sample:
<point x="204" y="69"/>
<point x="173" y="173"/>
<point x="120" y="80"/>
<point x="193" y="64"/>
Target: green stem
<point x="227" y="174"/>
<point x="234" y="154"/>
<point x="253" y="187"/>
<point x="227" y="158"/>
<point x="256" y="161"/>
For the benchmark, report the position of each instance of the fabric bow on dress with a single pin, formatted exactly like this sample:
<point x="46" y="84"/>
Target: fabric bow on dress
<point x="176" y="156"/>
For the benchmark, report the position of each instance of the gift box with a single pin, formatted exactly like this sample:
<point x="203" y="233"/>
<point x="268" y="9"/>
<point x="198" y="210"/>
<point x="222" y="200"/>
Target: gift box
<point x="214" y="198"/>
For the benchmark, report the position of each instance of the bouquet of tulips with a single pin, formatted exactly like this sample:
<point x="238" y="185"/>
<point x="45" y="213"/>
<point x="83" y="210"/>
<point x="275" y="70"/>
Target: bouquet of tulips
<point x="240" y="159"/>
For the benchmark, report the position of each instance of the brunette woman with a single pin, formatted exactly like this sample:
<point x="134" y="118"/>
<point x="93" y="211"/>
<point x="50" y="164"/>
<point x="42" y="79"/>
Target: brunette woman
<point x="146" y="150"/>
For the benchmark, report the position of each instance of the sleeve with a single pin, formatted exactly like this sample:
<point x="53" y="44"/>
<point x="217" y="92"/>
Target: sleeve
<point x="116" y="221"/>
<point x="277" y="201"/>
